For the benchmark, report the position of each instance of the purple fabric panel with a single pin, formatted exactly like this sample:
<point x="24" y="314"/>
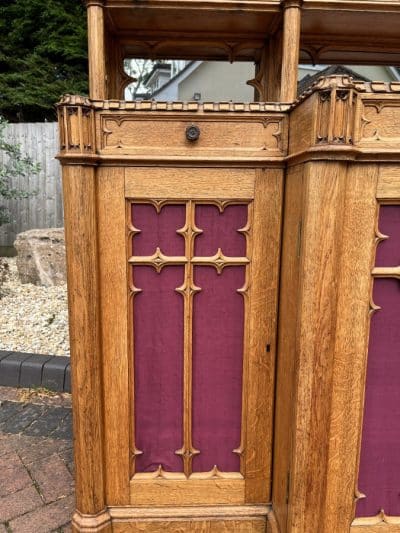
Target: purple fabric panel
<point x="388" y="252"/>
<point x="158" y="352"/>
<point x="217" y="367"/>
<point x="220" y="230"/>
<point x="158" y="229"/>
<point x="379" y="477"/>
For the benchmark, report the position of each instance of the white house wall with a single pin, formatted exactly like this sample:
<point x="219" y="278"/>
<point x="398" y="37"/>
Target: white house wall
<point x="218" y="81"/>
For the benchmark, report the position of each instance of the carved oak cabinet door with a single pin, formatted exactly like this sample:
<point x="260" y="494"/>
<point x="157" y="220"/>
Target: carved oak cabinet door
<point x="202" y="255"/>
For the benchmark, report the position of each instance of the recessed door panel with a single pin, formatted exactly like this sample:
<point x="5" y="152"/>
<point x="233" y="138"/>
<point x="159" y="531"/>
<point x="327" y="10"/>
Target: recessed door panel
<point x="197" y="340"/>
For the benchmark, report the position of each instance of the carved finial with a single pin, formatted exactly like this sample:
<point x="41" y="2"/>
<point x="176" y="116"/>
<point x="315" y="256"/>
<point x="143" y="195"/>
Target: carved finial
<point x="74" y="100"/>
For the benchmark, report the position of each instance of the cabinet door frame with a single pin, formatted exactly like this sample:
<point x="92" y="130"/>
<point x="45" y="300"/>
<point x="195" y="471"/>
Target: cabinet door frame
<point x="261" y="189"/>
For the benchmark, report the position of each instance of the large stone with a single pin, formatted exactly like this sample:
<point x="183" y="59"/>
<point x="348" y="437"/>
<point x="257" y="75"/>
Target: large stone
<point x="41" y="256"/>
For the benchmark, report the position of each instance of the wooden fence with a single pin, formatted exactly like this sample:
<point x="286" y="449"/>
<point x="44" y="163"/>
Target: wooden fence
<point x="44" y="209"/>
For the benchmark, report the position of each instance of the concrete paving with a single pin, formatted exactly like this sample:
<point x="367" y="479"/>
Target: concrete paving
<point x="36" y="465"/>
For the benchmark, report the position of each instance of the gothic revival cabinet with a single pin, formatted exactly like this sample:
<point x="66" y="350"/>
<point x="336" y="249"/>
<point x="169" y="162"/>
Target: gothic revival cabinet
<point x="221" y="262"/>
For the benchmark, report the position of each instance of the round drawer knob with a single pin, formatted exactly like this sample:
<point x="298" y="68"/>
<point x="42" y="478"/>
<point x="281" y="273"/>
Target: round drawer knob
<point x="192" y="133"/>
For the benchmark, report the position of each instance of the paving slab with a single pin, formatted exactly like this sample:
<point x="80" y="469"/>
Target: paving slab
<point x="36" y="462"/>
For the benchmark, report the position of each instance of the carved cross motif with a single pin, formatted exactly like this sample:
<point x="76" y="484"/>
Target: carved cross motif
<point x="188" y="289"/>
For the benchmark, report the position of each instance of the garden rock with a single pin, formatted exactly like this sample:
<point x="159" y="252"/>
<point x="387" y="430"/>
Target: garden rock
<point x="4" y="271"/>
<point x="41" y="256"/>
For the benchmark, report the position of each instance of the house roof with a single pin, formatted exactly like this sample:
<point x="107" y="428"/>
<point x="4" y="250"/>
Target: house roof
<point x="308" y="80"/>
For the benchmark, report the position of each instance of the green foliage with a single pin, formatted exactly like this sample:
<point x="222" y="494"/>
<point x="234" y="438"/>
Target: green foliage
<point x="14" y="164"/>
<point x="43" y="54"/>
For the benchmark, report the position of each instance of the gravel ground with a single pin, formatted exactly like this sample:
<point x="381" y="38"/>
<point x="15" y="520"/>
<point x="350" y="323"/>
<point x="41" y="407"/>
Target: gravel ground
<point x="33" y="318"/>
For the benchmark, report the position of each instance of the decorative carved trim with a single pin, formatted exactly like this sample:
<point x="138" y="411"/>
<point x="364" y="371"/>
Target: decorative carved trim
<point x="93" y="522"/>
<point x="99" y="3"/>
<point x="76" y="124"/>
<point x="386" y="272"/>
<point x="151" y="46"/>
<point x="190" y="512"/>
<point x="219" y="261"/>
<point x="347" y="82"/>
<point x="160" y="473"/>
<point x="380" y="518"/>
<point x="158" y="260"/>
<point x="244" y="291"/>
<point x="215" y="473"/>
<point x="210" y="107"/>
<point x="291" y="3"/>
<point x="377" y="121"/>
<point x="188" y="290"/>
<point x="335" y="123"/>
<point x="258" y="82"/>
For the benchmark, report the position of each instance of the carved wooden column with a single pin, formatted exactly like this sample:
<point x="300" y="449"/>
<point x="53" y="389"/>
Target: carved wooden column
<point x="76" y="120"/>
<point x="96" y="49"/>
<point x="291" y="49"/>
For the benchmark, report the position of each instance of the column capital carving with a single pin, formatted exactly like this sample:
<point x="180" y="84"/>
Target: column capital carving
<point x="291" y="3"/>
<point x="76" y="123"/>
<point x="99" y="3"/>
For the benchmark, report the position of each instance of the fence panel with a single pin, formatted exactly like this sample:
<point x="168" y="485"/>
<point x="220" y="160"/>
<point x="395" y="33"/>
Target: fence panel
<point x="43" y="210"/>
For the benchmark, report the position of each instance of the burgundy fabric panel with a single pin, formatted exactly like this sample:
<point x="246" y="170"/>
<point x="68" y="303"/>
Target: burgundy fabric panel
<point x="379" y="477"/>
<point x="158" y="353"/>
<point x="217" y="367"/>
<point x="158" y="229"/>
<point x="388" y="252"/>
<point x="220" y="230"/>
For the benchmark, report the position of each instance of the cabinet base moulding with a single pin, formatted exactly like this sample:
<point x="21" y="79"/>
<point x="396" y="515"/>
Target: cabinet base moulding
<point x="91" y="523"/>
<point x="196" y="519"/>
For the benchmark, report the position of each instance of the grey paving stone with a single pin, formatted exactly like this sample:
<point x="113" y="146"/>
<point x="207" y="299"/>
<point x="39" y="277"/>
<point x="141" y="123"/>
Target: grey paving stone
<point x="48" y="422"/>
<point x="64" y="430"/>
<point x="9" y="410"/>
<point x="23" y="419"/>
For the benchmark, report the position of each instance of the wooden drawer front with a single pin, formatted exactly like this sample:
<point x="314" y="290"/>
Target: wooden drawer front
<point x="162" y="136"/>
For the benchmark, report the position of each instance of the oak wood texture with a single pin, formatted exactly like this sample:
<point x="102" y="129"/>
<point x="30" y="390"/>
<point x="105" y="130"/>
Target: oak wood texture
<point x="290" y="49"/>
<point x="257" y="525"/>
<point x="96" y="51"/>
<point x="332" y="31"/>
<point x="113" y="278"/>
<point x="388" y="188"/>
<point x="187" y="492"/>
<point x="262" y="190"/>
<point x="123" y="134"/>
<point x="196" y="183"/>
<point x="198" y="511"/>
<point x="325" y="356"/>
<point x="343" y="160"/>
<point x="324" y="184"/>
<point x="346" y="120"/>
<point x="287" y="340"/>
<point x="79" y="187"/>
<point x="227" y="518"/>
<point x="262" y="334"/>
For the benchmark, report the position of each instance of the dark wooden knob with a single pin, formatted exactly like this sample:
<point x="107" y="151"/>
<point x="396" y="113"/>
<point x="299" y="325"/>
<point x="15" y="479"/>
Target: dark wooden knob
<point x="192" y="133"/>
